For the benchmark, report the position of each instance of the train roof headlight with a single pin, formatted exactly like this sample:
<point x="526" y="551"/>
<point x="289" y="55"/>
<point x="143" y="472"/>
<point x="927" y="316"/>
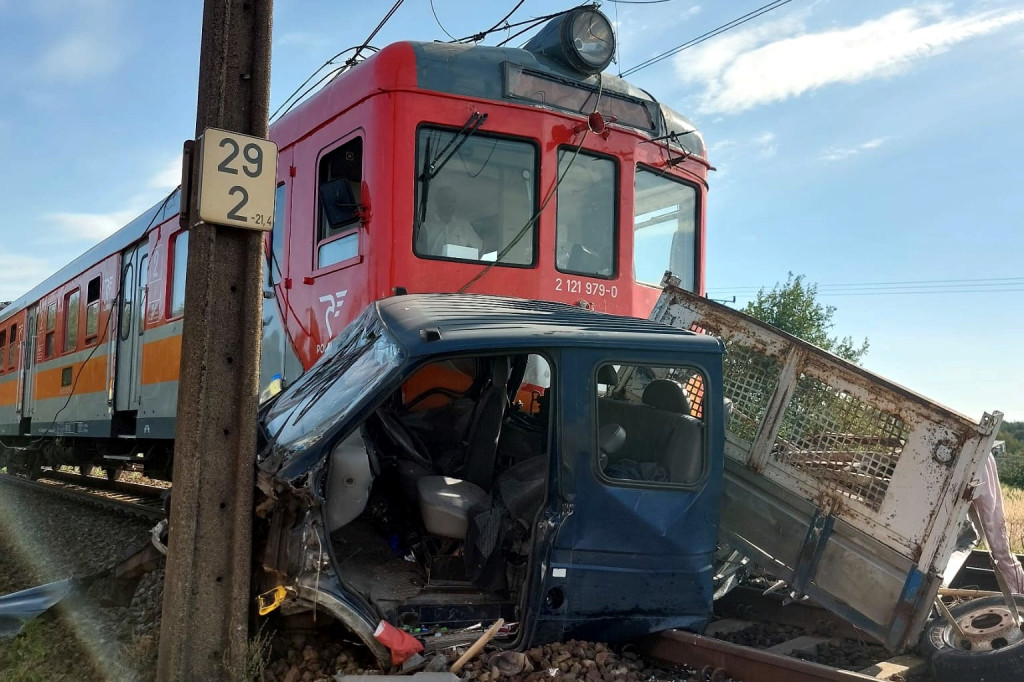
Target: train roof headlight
<point x="581" y="39"/>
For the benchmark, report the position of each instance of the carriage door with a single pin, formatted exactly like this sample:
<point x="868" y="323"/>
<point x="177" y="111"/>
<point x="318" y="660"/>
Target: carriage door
<point x="134" y="263"/>
<point x="28" y="366"/>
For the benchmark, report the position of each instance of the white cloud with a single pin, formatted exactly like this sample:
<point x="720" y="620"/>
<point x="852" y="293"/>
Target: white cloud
<point x="776" y="61"/>
<point x="765" y="145"/>
<point x="168" y="177"/>
<point x="840" y="153"/>
<point x="80" y="56"/>
<point x="18" y="273"/>
<point x="90" y="227"/>
<point x="94" y="46"/>
<point x="93" y="227"/>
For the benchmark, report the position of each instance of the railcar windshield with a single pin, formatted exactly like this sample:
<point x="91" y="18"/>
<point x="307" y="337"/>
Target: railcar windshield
<point x="664" y="229"/>
<point x="585" y="230"/>
<point x="480" y="205"/>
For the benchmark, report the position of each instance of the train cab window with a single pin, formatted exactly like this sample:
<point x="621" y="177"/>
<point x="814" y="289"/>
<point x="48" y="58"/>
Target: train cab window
<point x="585" y="228"/>
<point x="71" y="310"/>
<point x="664" y="229"/>
<point x="340" y="179"/>
<point x="3" y="345"/>
<point x="50" y="329"/>
<point x="476" y="198"/>
<point x="92" y="309"/>
<point x="650" y="425"/>
<point x="13" y="353"/>
<point x="179" y="265"/>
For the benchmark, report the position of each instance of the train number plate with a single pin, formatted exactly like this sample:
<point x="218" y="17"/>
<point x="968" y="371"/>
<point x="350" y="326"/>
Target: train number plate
<point x="237" y="178"/>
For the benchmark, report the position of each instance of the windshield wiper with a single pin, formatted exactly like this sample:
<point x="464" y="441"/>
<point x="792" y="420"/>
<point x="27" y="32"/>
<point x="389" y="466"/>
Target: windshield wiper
<point x="433" y="166"/>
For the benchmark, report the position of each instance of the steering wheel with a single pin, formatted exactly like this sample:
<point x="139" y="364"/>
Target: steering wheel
<point x="405" y="440"/>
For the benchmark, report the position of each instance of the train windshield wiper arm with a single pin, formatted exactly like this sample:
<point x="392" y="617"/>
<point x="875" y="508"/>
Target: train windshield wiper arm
<point x="433" y="166"/>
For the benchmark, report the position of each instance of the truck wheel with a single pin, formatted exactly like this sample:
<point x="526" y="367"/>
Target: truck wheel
<point x="992" y="652"/>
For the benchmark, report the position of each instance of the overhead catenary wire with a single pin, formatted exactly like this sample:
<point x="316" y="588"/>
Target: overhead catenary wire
<point x="438" y="22"/>
<point x="893" y="285"/>
<point x="739" y="21"/>
<point x="295" y="97"/>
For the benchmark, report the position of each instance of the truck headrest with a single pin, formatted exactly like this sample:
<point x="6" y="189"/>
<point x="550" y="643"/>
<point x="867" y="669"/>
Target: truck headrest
<point x="665" y="394"/>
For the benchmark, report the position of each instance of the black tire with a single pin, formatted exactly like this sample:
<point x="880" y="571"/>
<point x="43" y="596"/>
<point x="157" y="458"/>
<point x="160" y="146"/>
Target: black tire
<point x="950" y="661"/>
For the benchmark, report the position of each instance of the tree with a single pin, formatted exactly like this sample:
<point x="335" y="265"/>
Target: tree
<point x="793" y="307"/>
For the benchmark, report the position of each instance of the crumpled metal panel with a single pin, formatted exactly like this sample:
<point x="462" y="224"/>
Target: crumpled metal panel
<point x="838" y="479"/>
<point x="19" y="608"/>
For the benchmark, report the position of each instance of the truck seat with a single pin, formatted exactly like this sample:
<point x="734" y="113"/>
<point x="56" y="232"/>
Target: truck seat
<point x="660" y="431"/>
<point x="446" y="504"/>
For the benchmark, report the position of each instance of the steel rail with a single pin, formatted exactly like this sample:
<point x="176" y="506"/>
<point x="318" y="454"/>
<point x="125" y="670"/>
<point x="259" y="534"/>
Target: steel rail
<point x="153" y="510"/>
<point x="722" y="660"/>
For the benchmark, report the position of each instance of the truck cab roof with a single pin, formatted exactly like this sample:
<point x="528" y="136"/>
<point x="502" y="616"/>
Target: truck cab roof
<point x="428" y="324"/>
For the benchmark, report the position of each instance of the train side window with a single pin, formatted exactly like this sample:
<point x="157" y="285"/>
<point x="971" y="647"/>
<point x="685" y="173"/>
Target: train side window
<point x="585" y="226"/>
<point x="273" y="274"/>
<point x="51" y="327"/>
<point x="71" y="310"/>
<point x="339" y="181"/>
<point x="3" y="344"/>
<point x="179" y="265"/>
<point x="92" y="309"/>
<point x="664" y="229"/>
<point x="13" y="355"/>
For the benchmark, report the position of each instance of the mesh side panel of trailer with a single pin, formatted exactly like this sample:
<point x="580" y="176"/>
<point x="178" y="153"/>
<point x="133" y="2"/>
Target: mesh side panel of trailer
<point x="750" y="380"/>
<point x="846" y="445"/>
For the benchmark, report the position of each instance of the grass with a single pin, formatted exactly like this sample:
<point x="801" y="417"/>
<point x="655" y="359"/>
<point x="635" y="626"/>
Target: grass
<point x="1013" y="503"/>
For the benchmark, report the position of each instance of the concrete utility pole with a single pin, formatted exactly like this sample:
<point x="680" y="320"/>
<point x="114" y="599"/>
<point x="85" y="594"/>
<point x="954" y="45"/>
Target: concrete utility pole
<point x="204" y="634"/>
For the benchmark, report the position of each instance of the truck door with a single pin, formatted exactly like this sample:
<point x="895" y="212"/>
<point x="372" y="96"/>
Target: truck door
<point x="28" y="363"/>
<point x="640" y="482"/>
<point x="134" y="265"/>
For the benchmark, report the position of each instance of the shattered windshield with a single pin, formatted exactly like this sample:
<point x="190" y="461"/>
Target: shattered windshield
<point x="355" y="364"/>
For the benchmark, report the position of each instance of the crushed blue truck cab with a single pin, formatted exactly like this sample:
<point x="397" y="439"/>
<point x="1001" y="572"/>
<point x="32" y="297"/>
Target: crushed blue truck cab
<point x="455" y="459"/>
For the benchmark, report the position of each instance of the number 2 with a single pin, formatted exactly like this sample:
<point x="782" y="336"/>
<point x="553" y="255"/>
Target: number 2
<point x="233" y="213"/>
<point x="224" y="167"/>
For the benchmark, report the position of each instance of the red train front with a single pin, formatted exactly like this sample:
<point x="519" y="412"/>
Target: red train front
<point x="426" y="167"/>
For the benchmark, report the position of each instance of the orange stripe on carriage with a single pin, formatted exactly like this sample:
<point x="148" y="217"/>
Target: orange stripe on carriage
<point x="87" y="377"/>
<point x="161" y="360"/>
<point x="9" y="392"/>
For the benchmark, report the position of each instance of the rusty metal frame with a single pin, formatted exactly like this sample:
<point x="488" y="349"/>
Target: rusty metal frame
<point x="854" y="493"/>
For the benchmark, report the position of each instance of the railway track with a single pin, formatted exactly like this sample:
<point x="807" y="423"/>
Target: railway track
<point x="142" y="501"/>
<point x="807" y="632"/>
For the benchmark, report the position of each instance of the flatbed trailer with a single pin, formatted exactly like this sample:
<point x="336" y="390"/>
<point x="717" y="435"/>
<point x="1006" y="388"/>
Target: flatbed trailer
<point x="847" y="486"/>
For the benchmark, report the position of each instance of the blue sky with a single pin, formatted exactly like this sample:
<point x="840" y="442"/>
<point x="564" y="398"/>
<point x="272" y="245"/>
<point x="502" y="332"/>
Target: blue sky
<point x="857" y="143"/>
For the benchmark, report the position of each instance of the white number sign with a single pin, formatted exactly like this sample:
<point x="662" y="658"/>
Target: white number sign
<point x="237" y="180"/>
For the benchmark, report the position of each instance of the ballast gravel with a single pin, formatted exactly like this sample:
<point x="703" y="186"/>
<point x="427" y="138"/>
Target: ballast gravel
<point x="44" y="539"/>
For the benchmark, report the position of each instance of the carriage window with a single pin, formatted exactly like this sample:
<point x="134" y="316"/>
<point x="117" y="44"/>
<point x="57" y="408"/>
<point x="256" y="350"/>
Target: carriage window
<point x="585" y="232"/>
<point x="664" y="229"/>
<point x="179" y="266"/>
<point x="476" y="198"/>
<point x="92" y="309"/>
<point x="13" y="355"/>
<point x="340" y="182"/>
<point x="273" y="269"/>
<point x="3" y="343"/>
<point x="51" y="326"/>
<point x="71" y="321"/>
<point x="651" y="424"/>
